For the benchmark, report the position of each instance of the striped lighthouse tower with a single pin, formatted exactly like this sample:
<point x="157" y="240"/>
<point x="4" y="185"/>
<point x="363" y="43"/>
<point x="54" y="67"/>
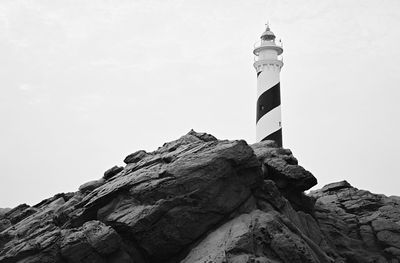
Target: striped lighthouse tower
<point x="268" y="67"/>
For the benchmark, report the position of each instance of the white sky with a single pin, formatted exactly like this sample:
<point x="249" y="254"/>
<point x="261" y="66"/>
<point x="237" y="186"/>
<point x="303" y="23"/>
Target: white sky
<point x="84" y="83"/>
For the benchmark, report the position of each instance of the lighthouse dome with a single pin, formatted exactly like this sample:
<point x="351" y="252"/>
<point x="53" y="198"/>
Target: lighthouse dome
<point x="268" y="34"/>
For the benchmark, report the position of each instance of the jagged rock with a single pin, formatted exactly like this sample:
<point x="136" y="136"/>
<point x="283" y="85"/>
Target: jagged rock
<point x="175" y="202"/>
<point x="199" y="199"/>
<point x="18" y="213"/>
<point x="34" y="237"/>
<point x="360" y="225"/>
<point x="112" y="171"/>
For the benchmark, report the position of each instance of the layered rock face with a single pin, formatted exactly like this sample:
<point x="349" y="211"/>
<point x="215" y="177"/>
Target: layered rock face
<point x="202" y="200"/>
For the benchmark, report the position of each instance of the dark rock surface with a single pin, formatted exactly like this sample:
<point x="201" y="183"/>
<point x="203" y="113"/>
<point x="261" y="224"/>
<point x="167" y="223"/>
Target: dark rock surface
<point x="199" y="199"/>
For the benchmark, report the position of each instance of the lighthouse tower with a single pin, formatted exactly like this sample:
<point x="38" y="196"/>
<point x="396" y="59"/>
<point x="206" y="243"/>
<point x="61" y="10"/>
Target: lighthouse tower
<point x="268" y="67"/>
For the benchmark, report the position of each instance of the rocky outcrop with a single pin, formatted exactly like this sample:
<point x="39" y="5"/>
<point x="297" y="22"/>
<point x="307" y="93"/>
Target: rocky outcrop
<point x="361" y="226"/>
<point x="199" y="199"/>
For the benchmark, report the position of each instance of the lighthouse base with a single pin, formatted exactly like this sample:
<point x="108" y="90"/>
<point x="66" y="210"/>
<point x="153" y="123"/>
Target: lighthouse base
<point x="276" y="136"/>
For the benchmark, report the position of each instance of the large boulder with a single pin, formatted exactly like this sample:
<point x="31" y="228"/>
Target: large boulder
<point x="179" y="192"/>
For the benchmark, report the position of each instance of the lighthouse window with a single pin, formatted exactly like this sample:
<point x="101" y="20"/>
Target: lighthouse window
<point x="261" y="107"/>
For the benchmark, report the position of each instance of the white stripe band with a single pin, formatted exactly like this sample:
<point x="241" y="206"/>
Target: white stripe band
<point x="269" y="123"/>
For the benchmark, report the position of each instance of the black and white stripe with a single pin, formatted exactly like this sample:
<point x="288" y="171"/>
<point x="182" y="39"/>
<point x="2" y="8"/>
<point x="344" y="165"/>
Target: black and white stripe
<point x="270" y="99"/>
<point x="269" y="115"/>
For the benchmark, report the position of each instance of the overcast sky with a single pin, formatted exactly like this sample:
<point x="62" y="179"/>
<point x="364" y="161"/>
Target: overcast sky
<point x="84" y="83"/>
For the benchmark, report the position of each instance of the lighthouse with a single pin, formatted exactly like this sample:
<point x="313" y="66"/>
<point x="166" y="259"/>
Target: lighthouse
<point x="268" y="66"/>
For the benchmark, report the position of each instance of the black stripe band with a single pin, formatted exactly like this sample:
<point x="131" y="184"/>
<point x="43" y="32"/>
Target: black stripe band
<point x="275" y="136"/>
<point x="269" y="100"/>
<point x="258" y="73"/>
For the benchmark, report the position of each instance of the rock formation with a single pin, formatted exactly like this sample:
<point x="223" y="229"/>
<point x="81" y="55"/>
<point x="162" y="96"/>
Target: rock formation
<point x="202" y="200"/>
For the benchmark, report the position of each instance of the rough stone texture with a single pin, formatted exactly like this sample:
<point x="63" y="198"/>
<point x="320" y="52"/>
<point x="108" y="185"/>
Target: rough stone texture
<point x="257" y="237"/>
<point x="18" y="213"/>
<point x="199" y="199"/>
<point x="90" y="243"/>
<point x="361" y="226"/>
<point x="282" y="167"/>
